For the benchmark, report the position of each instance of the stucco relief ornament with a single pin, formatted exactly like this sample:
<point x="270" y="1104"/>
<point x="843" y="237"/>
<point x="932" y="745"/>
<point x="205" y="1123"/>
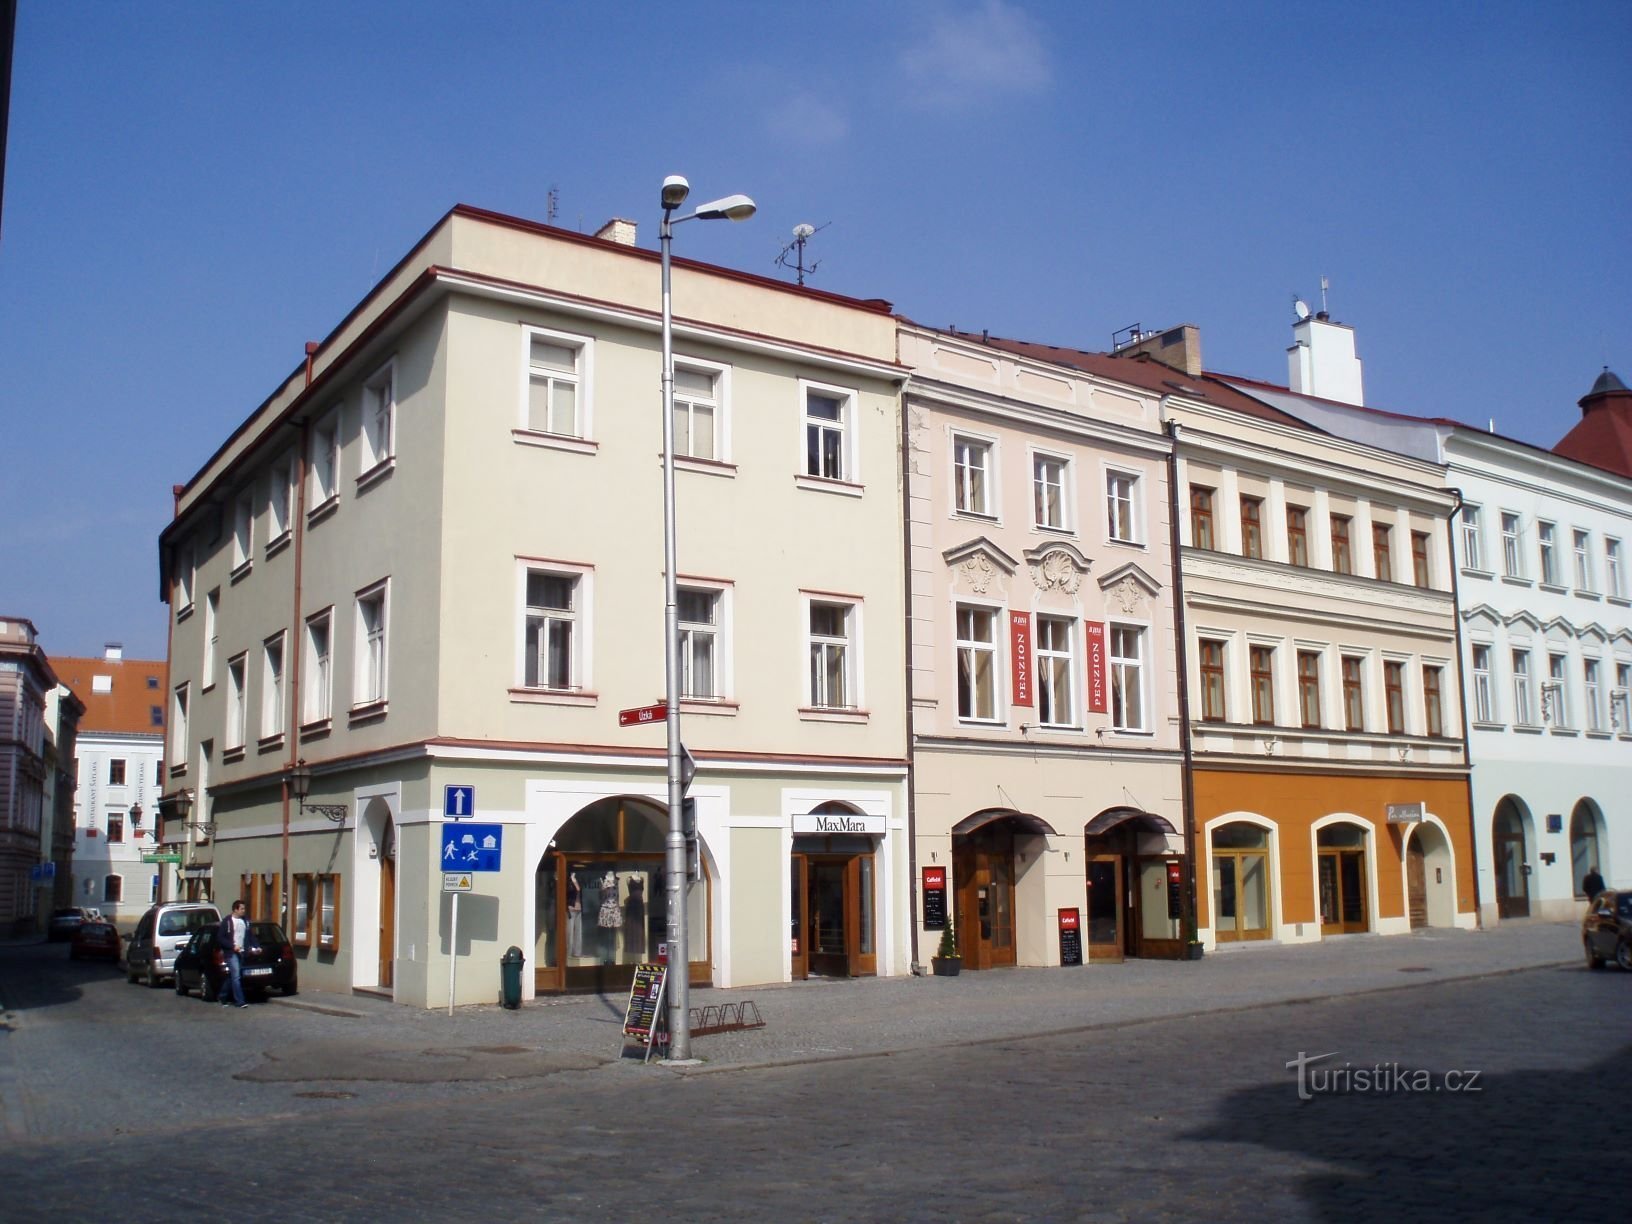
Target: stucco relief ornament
<point x="1129" y="596"/>
<point x="1056" y="571"/>
<point x="978" y="572"/>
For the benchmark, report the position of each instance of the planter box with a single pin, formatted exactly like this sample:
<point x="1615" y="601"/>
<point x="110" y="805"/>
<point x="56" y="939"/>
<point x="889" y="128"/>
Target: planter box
<point x="1194" y="951"/>
<point x="946" y="966"/>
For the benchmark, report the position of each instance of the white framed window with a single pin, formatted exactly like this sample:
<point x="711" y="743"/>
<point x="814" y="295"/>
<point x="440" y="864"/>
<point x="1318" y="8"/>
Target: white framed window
<point x="237" y="701"/>
<point x="1583" y="561"/>
<point x="1054" y="656"/>
<point x="1620" y="700"/>
<point x="831" y="638"/>
<point x="212" y="637"/>
<point x="830" y="426"/>
<point x="1512" y="558"/>
<point x="701" y="399"/>
<point x="317" y="662"/>
<point x="323" y="462"/>
<point x="1614" y="576"/>
<point x="272" y="686"/>
<point x="1128" y="678"/>
<point x="977" y="662"/>
<point x="1049" y="491"/>
<point x="184" y="579"/>
<point x="1484" y="702"/>
<point x="243" y="531"/>
<point x="280" y="500"/>
<point x="971" y="475"/>
<point x="178" y="724"/>
<point x="1592" y="693"/>
<point x="1555" y="694"/>
<point x="1523" y="710"/>
<point x="1547" y="548"/>
<point x="551" y="636"/>
<point x="1472" y="552"/>
<point x="379" y="418"/>
<point x="1122" y="506"/>
<point x="700" y="617"/>
<point x="557" y="397"/>
<point x="370" y="660"/>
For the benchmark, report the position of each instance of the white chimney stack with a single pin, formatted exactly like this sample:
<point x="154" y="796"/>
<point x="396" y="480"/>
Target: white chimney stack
<point x="1321" y="361"/>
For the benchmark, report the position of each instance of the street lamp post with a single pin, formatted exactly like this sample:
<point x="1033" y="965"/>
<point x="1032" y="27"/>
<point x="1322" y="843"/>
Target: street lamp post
<point x="730" y="208"/>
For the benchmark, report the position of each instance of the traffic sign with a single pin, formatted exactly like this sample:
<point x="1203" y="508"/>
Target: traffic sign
<point x="641" y="715"/>
<point x="458" y="802"/>
<point x="471" y="847"/>
<point x="457" y="881"/>
<point x="161" y="858"/>
<point x="688" y="769"/>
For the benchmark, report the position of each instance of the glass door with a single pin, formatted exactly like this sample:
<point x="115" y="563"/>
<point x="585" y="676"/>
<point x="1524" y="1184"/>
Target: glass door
<point x="799" y="941"/>
<point x="828" y="930"/>
<point x="1105" y="929"/>
<point x="1240" y="896"/>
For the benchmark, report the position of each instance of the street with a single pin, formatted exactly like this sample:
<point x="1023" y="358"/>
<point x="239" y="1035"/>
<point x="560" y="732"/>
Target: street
<point x="122" y="1099"/>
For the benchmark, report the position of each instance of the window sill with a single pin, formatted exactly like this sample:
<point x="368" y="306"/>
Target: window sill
<point x="1600" y="735"/>
<point x="558" y="697"/>
<point x="1053" y="531"/>
<point x="703" y="467"/>
<point x="232" y="755"/>
<point x="832" y="714"/>
<point x="1131" y="732"/>
<point x="1583" y="594"/>
<point x="178" y="771"/>
<point x="550" y="441"/>
<point x="1482" y="725"/>
<point x="317" y="728"/>
<point x="323" y="509"/>
<point x="268" y="743"/>
<point x="1554" y="588"/>
<point x="1516" y="580"/>
<point x="990" y="724"/>
<point x="823" y="484"/>
<point x="183" y="612"/>
<point x="1569" y="731"/>
<point x="1620" y="601"/>
<point x="1140" y="544"/>
<point x="716" y="706"/>
<point x="241" y="570"/>
<point x="979" y="516"/>
<point x="366" y="712"/>
<point x="278" y="543"/>
<point x="377" y="473"/>
<point x="1528" y="728"/>
<point x="207" y="688"/>
<point x="1469" y="571"/>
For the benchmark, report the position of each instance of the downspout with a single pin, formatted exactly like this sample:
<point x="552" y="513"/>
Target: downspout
<point x="906" y="624"/>
<point x="298" y="507"/>
<point x="1462" y="698"/>
<point x="1187" y="920"/>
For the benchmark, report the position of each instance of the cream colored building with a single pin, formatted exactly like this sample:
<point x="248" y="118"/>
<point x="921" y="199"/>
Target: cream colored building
<point x="432" y="558"/>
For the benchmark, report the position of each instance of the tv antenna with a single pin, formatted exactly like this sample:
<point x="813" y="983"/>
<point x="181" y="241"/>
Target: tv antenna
<point x="1324" y="285"/>
<point x="552" y="203"/>
<point x="793" y="255"/>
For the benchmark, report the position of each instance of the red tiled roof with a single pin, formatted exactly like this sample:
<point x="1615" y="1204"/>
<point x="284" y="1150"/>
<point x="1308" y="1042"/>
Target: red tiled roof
<point x="1602" y="437"/>
<point x="138" y="688"/>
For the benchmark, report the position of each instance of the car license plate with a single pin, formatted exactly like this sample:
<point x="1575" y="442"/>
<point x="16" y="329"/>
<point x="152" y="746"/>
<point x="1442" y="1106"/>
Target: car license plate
<point x="256" y="972"/>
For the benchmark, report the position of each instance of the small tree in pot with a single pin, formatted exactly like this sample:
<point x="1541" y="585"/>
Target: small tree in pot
<point x="946" y="962"/>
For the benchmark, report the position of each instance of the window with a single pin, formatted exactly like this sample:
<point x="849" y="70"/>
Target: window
<point x="1433" y="708"/>
<point x="1309" y="687"/>
<point x="184" y="582"/>
<point x="1056" y="665"/>
<point x="1590" y="696"/>
<point x="1473" y="556"/>
<point x="243" y="530"/>
<point x="830" y="677"/>
<point x="827" y="430"/>
<point x="1127" y="678"/>
<point x="280" y="499"/>
<point x="699" y="636"/>
<point x="1583" y="561"/>
<point x="1555" y="697"/>
<point x="1484" y="702"/>
<point x="237" y="701"/>
<point x="696" y="413"/>
<point x="1201" y="517"/>
<point x="1342" y="557"/>
<point x="1252" y="527"/>
<point x="116" y="771"/>
<point x="212" y="636"/>
<point x="301" y="900"/>
<point x="317" y="687"/>
<point x="113" y="889"/>
<point x="1212" y="681"/>
<point x="554" y="376"/>
<point x="1048" y="491"/>
<point x="1614" y="579"/>
<point x="116" y="827"/>
<point x="178" y="728"/>
<point x="1546" y="545"/>
<point x="1382" y="552"/>
<point x="1620" y="701"/>
<point x="1521" y="689"/>
<point x="379" y="418"/>
<point x="1262" y="663"/>
<point x="1121" y="493"/>
<point x="1394" y="696"/>
<point x="1419" y="559"/>
<point x="323" y="462"/>
<point x="368" y="682"/>
<point x="552" y="630"/>
<point x="272" y="686"/>
<point x="1512" y="564"/>
<point x="1354" y="693"/>
<point x="977" y="662"/>
<point x="971" y="467"/>
<point x="1297" y="535"/>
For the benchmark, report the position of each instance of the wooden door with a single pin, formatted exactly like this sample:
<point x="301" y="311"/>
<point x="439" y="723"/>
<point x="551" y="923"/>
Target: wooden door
<point x="1342" y="884"/>
<point x="1416" y="884"/>
<point x="799" y="937"/>
<point x="862" y="916"/>
<point x="1107" y="928"/>
<point x="388" y="903"/>
<point x="983" y="868"/>
<point x="829" y="929"/>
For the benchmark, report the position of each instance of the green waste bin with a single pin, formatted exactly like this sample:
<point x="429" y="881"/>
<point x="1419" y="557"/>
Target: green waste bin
<point x="510" y="977"/>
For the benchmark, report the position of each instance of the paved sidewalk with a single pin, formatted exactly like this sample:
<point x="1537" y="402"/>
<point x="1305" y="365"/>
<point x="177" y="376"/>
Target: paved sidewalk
<point x="826" y="1019"/>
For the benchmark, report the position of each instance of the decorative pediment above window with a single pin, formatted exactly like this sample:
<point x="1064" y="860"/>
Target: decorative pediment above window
<point x="1484" y="614"/>
<point x="979" y="562"/>
<point x="1524" y="618"/>
<point x="1057" y="566"/>
<point x="1128" y="587"/>
<point x="1592" y="632"/>
<point x="1559" y="630"/>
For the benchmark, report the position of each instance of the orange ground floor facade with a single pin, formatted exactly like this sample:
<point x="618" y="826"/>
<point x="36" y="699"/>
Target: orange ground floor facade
<point x="1301" y="856"/>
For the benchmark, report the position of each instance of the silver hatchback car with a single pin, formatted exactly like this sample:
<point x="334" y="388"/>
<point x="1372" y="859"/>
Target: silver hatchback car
<point x="163" y="931"/>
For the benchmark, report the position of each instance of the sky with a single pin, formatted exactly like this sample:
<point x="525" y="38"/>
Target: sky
<point x="193" y="191"/>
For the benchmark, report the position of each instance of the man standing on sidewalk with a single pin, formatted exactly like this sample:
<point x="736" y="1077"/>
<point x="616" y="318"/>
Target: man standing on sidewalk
<point x="233" y="938"/>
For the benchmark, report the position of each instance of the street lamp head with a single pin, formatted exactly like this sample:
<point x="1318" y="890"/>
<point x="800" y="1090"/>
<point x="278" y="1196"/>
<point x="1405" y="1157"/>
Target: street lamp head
<point x="675" y="191"/>
<point x="732" y="208"/>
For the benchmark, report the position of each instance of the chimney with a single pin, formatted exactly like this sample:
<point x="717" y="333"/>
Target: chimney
<point x="1321" y="361"/>
<point x="617" y="230"/>
<point x="113" y="650"/>
<point x="1178" y="348"/>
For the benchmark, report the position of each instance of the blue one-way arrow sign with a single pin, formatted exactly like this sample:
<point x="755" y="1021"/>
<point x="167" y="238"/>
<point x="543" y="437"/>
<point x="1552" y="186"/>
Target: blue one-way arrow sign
<point x="458" y="802"/>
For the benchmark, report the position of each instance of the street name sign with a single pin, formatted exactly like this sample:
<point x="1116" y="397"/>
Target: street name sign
<point x="641" y="715"/>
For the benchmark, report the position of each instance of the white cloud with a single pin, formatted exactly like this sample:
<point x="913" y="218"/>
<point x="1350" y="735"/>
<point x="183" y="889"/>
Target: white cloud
<point x="969" y="55"/>
<point x="805" y="119"/>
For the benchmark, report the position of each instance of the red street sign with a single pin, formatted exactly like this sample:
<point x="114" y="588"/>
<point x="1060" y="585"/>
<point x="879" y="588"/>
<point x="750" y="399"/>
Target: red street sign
<point x="643" y="714"/>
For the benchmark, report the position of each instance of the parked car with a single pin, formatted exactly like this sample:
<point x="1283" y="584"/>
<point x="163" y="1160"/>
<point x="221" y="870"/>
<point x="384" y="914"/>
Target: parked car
<point x="1606" y="931"/>
<point x="64" y="922"/>
<point x="95" y="941"/>
<point x="269" y="964"/>
<point x="163" y="931"/>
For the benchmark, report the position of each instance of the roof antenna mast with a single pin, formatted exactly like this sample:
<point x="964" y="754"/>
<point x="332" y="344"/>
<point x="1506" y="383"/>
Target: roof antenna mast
<point x="1324" y="285"/>
<point x="793" y="255"/>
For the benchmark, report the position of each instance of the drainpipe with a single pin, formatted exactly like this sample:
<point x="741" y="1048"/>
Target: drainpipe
<point x="1187" y="921"/>
<point x="906" y="621"/>
<point x="299" y="528"/>
<point x="1462" y="696"/>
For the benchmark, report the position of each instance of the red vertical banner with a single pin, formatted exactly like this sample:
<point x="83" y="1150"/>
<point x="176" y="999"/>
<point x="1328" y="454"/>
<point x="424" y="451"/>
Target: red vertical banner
<point x="1096" y="666"/>
<point x="1020" y="653"/>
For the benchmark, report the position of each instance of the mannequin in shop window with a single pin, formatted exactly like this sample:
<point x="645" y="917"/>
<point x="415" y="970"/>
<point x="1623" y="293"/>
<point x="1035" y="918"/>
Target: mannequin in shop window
<point x="634" y="921"/>
<point x="575" y="916"/>
<point x="609" y="918"/>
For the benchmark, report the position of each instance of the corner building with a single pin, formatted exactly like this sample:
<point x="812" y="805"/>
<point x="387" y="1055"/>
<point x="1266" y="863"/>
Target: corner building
<point x="433" y="557"/>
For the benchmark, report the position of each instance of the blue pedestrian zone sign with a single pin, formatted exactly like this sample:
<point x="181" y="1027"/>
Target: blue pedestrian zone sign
<point x="471" y="847"/>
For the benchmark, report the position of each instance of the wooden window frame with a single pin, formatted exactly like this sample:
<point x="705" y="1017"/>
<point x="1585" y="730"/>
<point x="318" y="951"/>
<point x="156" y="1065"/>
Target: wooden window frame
<point x="1309" y="688"/>
<point x="1382" y="551"/>
<point x="1263" y="684"/>
<point x="1201" y="519"/>
<point x="305" y="893"/>
<point x="1297" y="536"/>
<point x="1433" y="700"/>
<point x="327" y="883"/>
<point x="1252" y="527"/>
<point x="1394" y="696"/>
<point x="1212" y="681"/>
<point x="1419" y="560"/>
<point x="1342" y="544"/>
<point x="1354" y="693"/>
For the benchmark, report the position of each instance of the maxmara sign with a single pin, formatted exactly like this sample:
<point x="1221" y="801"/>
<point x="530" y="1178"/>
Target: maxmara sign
<point x="838" y="822"/>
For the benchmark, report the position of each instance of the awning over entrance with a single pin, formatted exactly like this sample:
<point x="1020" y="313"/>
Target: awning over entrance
<point x="1023" y="822"/>
<point x="1110" y="818"/>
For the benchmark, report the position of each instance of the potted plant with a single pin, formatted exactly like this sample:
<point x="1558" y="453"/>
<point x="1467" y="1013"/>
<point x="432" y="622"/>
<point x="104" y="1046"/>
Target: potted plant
<point x="946" y="962"/>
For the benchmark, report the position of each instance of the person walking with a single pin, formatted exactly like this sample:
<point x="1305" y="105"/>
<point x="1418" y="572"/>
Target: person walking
<point x="1592" y="883"/>
<point x="233" y="938"/>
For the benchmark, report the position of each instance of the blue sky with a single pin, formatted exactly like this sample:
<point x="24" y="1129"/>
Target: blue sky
<point x="195" y="190"/>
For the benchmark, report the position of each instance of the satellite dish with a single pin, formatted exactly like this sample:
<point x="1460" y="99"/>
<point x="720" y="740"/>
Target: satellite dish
<point x="1300" y="308"/>
<point x="803" y="230"/>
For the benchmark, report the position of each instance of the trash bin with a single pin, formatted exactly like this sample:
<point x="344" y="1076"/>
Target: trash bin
<point x="510" y="977"/>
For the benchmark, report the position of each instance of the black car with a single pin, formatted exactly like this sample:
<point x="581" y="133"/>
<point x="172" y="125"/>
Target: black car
<point x="269" y="963"/>
<point x="1606" y="931"/>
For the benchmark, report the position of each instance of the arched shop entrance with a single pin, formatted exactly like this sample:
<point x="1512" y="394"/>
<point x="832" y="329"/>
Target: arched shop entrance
<point x="1341" y="878"/>
<point x="1241" y="883"/>
<point x="1511" y="850"/>
<point x="983" y="881"/>
<point x="834" y="896"/>
<point x="600" y="902"/>
<point x="1132" y="911"/>
<point x="1430" y="891"/>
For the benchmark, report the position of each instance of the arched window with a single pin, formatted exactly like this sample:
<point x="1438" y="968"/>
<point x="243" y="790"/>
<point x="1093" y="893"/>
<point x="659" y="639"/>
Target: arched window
<point x="1584" y="849"/>
<point x="113" y="888"/>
